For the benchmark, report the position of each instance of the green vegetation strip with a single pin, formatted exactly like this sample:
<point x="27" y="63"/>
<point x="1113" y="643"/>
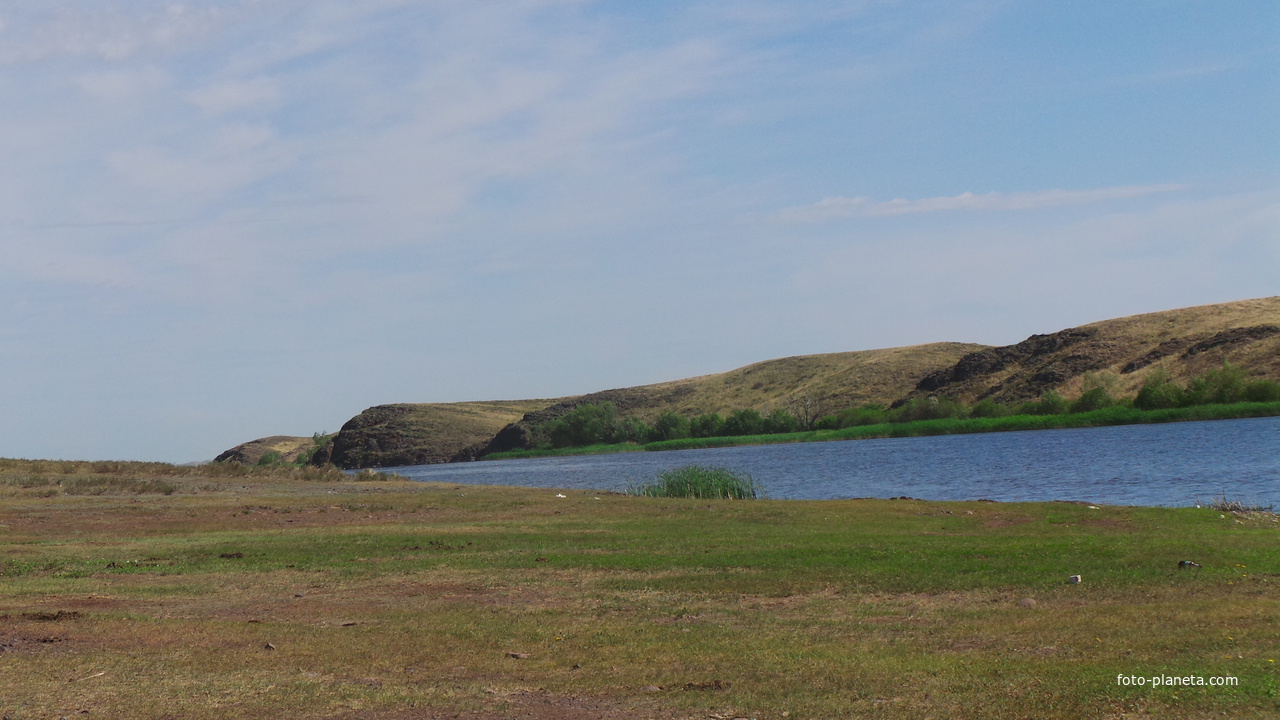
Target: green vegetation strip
<point x="1117" y="415"/>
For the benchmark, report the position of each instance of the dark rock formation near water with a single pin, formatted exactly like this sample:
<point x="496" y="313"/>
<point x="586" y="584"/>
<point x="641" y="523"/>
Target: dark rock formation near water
<point x="1182" y="343"/>
<point x="423" y="433"/>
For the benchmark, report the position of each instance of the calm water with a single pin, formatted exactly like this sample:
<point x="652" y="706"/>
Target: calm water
<point x="1175" y="464"/>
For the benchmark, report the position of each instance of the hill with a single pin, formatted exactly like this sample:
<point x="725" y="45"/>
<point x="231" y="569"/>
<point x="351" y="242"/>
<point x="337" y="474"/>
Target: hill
<point x="811" y="385"/>
<point x="1121" y="353"/>
<point x="423" y="433"/>
<point x="287" y="448"/>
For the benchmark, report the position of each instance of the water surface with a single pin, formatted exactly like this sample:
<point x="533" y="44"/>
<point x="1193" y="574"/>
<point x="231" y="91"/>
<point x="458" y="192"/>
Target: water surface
<point x="1174" y="464"/>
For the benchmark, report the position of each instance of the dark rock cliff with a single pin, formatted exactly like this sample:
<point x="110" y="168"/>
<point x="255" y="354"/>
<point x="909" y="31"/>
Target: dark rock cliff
<point x="1024" y="371"/>
<point x="422" y="433"/>
<point x="380" y="437"/>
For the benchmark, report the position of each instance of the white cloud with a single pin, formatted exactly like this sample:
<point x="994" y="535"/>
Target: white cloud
<point x="843" y="207"/>
<point x="112" y="31"/>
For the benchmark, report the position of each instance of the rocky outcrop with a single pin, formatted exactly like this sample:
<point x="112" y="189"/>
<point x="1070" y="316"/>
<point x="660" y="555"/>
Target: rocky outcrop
<point x="1184" y="343"/>
<point x="1187" y="347"/>
<point x="1233" y="337"/>
<point x="377" y="437"/>
<point x="1024" y="355"/>
<point x="423" y="433"/>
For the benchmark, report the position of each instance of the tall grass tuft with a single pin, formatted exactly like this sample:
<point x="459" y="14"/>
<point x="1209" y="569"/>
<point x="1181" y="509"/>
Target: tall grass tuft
<point x="696" y="481"/>
<point x="1224" y="504"/>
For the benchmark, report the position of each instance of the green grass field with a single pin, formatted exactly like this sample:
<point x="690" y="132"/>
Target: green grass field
<point x="141" y="592"/>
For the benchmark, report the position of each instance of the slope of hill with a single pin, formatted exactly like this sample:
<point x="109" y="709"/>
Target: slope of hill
<point x="1121" y="353"/>
<point x="287" y="447"/>
<point x="806" y="384"/>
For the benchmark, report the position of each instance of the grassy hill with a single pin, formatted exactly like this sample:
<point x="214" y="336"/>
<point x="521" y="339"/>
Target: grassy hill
<point x="1183" y="343"/>
<point x="1120" y="353"/>
<point x="287" y="448"/>
<point x="833" y="381"/>
<point x="411" y="434"/>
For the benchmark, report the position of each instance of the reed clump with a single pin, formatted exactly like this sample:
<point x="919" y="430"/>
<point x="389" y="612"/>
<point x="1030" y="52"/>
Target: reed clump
<point x="697" y="481"/>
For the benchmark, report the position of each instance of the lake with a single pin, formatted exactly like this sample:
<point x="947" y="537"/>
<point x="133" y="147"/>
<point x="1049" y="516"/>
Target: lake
<point x="1174" y="464"/>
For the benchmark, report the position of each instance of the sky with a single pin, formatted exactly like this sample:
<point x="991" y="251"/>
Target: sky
<point x="230" y="219"/>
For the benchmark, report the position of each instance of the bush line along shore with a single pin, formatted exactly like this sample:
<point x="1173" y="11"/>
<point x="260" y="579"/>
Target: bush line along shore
<point x="1217" y="395"/>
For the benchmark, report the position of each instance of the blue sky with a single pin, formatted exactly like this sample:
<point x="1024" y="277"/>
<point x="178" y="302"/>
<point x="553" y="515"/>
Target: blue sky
<point x="224" y="220"/>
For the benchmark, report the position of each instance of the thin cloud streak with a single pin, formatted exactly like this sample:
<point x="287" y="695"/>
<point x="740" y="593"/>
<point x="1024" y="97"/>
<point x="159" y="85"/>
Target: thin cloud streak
<point x="842" y="207"/>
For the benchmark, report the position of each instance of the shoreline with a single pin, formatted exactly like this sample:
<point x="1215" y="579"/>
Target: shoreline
<point x="1106" y="417"/>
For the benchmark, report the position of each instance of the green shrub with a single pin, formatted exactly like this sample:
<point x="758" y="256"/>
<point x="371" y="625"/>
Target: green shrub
<point x="1159" y="392"/>
<point x="319" y="441"/>
<point x="853" y="417"/>
<point x="1262" y="391"/>
<point x="703" y="426"/>
<point x="696" y="481"/>
<point x="1221" y="386"/>
<point x="929" y="408"/>
<point x="592" y="424"/>
<point x="743" y="422"/>
<point x="587" y="424"/>
<point x="1050" y="403"/>
<point x="1093" y="399"/>
<point x="988" y="408"/>
<point x="669" y="426"/>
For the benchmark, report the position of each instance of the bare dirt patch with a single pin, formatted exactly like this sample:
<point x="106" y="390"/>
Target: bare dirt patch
<point x="536" y="705"/>
<point x="1000" y="521"/>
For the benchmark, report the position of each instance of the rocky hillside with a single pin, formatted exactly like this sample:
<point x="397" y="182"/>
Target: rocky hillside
<point x="423" y="433"/>
<point x="1122" y="352"/>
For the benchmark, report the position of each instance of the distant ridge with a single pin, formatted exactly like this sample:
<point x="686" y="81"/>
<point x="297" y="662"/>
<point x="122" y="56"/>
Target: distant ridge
<point x="1184" y="343"/>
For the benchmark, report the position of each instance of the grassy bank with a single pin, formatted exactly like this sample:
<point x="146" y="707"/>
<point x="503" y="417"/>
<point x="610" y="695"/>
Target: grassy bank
<point x="951" y="426"/>
<point x="267" y="595"/>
